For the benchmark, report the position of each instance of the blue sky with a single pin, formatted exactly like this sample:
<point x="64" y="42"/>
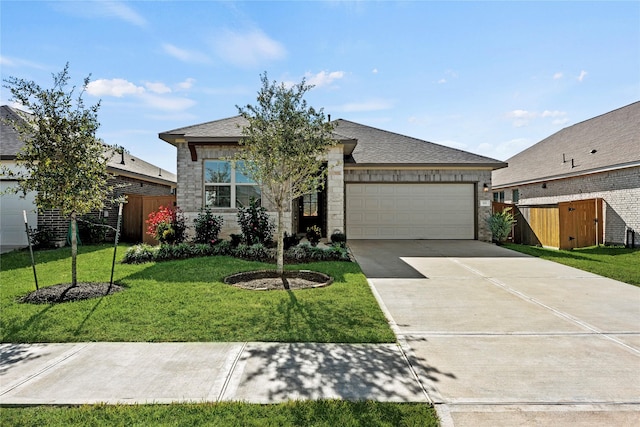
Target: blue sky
<point x="488" y="77"/>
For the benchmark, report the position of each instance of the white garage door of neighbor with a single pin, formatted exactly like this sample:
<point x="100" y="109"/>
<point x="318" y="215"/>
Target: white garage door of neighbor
<point x="410" y="211"/>
<point x="12" y="231"/>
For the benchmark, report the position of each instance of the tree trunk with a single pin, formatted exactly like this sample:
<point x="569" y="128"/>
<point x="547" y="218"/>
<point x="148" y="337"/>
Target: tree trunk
<point x="280" y="247"/>
<point x="74" y="250"/>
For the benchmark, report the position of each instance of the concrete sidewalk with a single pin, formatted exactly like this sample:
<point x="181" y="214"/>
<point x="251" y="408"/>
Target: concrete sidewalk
<point x="499" y="338"/>
<point x="85" y="373"/>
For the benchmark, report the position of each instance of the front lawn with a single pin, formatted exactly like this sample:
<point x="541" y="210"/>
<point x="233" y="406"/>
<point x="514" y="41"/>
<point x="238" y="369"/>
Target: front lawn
<point x="184" y="301"/>
<point x="327" y="413"/>
<point x="614" y="262"/>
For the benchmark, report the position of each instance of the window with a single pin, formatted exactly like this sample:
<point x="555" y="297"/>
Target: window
<point x="515" y="196"/>
<point x="226" y="186"/>
<point x="498" y="196"/>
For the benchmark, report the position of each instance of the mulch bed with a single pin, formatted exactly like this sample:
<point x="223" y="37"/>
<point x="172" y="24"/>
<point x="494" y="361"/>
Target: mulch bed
<point x="64" y="292"/>
<point x="268" y="280"/>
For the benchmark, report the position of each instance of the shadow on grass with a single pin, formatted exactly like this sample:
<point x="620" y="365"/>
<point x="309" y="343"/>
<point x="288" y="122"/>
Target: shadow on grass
<point x="347" y="371"/>
<point x="586" y="254"/>
<point x="21" y="258"/>
<point x="216" y="268"/>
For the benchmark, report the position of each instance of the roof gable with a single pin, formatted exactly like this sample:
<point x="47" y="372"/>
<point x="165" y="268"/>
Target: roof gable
<point x="380" y="147"/>
<point x="610" y="140"/>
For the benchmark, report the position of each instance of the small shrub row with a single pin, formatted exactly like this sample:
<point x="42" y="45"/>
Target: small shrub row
<point x="142" y="253"/>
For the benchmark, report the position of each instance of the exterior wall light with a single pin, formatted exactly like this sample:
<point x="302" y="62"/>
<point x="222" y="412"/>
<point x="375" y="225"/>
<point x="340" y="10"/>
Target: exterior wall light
<point x="485" y="187"/>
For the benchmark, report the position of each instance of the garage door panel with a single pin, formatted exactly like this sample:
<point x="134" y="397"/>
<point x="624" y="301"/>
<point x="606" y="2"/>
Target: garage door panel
<point x="410" y="211"/>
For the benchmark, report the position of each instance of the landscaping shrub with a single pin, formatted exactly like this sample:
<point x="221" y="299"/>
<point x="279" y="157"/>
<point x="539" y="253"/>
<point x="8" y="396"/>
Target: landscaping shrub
<point x="207" y="227"/>
<point x="338" y="238"/>
<point x="167" y="225"/>
<point x="176" y="251"/>
<point x="255" y="252"/>
<point x="255" y="223"/>
<point x="42" y="238"/>
<point x="290" y="240"/>
<point x="92" y="230"/>
<point x="500" y="224"/>
<point x="308" y="253"/>
<point x="139" y="254"/>
<point x="314" y="233"/>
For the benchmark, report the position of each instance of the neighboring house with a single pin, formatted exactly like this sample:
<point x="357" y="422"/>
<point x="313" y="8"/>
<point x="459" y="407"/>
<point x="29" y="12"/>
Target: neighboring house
<point x="133" y="177"/>
<point x="597" y="160"/>
<point x="380" y="185"/>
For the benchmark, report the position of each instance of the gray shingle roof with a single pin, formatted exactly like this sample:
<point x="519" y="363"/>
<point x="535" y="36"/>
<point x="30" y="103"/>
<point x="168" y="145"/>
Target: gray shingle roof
<point x="134" y="166"/>
<point x="10" y="142"/>
<point x="229" y="128"/>
<point x="614" y="138"/>
<point x="380" y="147"/>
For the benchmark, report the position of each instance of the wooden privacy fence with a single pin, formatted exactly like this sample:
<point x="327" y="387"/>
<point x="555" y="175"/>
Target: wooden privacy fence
<point x="566" y="225"/>
<point x="135" y="213"/>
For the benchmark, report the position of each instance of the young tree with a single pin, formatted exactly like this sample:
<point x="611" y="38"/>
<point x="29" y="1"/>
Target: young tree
<point x="61" y="160"/>
<point x="284" y="146"/>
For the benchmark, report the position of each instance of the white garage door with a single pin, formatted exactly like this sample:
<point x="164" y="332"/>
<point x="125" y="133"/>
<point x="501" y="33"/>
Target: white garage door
<point x="12" y="231"/>
<point x="410" y="211"/>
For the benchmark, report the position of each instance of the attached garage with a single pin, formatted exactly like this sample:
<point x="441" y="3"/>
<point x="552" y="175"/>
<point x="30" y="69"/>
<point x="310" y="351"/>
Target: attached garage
<point x="410" y="211"/>
<point x="12" y="231"/>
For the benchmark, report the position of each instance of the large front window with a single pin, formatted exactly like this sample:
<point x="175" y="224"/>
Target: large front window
<point x="227" y="186"/>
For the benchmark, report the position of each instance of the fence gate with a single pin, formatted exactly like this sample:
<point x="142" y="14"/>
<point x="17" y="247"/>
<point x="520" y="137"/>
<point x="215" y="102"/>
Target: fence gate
<point x="135" y="213"/>
<point x="581" y="223"/>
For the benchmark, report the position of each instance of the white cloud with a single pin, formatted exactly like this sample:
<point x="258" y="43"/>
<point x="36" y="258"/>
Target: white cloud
<point x="248" y="49"/>
<point x="442" y="81"/>
<point x="323" y="78"/>
<point x="157" y="87"/>
<point x="371" y="105"/>
<point x="167" y="103"/>
<point x="547" y="113"/>
<point x="582" y="75"/>
<point x="124" y="12"/>
<point x="521" y="114"/>
<point x="113" y="87"/>
<point x="557" y="76"/>
<point x="155" y="97"/>
<point x="374" y="71"/>
<point x="523" y="117"/>
<point x="453" y="144"/>
<point x="102" y="9"/>
<point x="185" y="55"/>
<point x="6" y="61"/>
<point x="187" y="84"/>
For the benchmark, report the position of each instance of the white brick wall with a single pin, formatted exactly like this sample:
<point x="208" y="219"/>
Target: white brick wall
<point x="620" y="190"/>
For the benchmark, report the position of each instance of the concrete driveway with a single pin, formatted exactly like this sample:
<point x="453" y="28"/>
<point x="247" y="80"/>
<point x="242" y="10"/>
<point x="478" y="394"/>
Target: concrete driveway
<point x="499" y="338"/>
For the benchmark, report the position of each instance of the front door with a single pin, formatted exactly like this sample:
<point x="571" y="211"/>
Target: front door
<point x="311" y="212"/>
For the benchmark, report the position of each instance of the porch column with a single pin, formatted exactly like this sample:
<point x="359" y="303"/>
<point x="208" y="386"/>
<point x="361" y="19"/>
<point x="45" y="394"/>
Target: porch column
<point x="335" y="190"/>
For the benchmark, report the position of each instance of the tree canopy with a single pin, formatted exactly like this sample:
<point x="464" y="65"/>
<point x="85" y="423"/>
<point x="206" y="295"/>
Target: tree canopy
<point x="284" y="146"/>
<point x="61" y="159"/>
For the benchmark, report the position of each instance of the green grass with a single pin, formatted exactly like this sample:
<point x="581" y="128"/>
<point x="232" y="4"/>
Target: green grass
<point x="327" y="413"/>
<point x="184" y="301"/>
<point x="614" y="262"/>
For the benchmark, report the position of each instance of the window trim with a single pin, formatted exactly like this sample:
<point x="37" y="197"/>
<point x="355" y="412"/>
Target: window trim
<point x="232" y="184"/>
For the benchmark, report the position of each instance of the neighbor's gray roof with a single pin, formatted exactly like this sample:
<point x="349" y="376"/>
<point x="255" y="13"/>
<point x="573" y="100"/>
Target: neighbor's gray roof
<point x="615" y="137"/>
<point x="10" y="142"/>
<point x="133" y="166"/>
<point x="380" y="147"/>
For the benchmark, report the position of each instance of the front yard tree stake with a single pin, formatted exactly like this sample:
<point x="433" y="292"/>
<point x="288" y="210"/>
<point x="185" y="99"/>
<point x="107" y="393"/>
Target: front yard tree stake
<point x="284" y="147"/>
<point x="61" y="160"/>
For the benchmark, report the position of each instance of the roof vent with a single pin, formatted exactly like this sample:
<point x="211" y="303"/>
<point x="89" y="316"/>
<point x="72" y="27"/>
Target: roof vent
<point x="594" y="151"/>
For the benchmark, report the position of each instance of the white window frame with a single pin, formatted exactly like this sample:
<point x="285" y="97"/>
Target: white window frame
<point x="233" y="184"/>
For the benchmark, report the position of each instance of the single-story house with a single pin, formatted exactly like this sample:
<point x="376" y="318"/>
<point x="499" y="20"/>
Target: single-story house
<point x="596" y="161"/>
<point x="133" y="177"/>
<point x="380" y="184"/>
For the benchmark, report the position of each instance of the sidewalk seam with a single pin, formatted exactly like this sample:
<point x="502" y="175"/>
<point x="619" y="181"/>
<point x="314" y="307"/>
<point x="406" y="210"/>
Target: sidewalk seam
<point x="45" y="369"/>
